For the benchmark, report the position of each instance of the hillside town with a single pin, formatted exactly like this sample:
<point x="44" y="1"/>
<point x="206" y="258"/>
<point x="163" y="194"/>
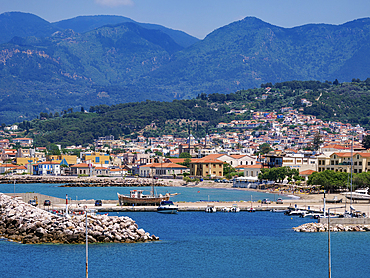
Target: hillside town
<point x="289" y="138"/>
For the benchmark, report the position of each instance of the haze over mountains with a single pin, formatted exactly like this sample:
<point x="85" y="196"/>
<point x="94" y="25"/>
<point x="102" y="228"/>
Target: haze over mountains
<point x="84" y="61"/>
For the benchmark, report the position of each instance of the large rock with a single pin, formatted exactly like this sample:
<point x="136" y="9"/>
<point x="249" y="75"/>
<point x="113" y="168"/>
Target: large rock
<point x="27" y="224"/>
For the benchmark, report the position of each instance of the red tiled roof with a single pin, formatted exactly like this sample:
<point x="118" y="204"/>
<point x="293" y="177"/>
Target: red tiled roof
<point x="307" y="172"/>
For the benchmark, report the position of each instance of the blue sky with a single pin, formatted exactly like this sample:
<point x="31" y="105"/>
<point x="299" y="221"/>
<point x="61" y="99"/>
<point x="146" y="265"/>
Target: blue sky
<point x="199" y="17"/>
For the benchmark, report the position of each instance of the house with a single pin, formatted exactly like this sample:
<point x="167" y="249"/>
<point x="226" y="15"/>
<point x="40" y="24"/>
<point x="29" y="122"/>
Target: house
<point x="19" y="170"/>
<point x="24" y="142"/>
<point x="206" y="167"/>
<point x="96" y="159"/>
<point x="4" y="144"/>
<point x="162" y="169"/>
<point x="46" y="168"/>
<point x="306" y="174"/>
<point x="81" y="169"/>
<point x="101" y="171"/>
<point x="252" y="171"/>
<point x="4" y="168"/>
<point x="118" y="172"/>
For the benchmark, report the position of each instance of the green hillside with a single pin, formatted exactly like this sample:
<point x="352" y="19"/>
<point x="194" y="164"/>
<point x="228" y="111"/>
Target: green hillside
<point x="346" y="102"/>
<point x="82" y="24"/>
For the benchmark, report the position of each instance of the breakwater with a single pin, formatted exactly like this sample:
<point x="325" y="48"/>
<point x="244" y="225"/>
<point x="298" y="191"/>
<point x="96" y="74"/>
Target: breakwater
<point x="24" y="223"/>
<point x="69" y="181"/>
<point x="319" y="227"/>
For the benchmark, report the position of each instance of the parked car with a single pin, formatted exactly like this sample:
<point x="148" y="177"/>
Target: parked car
<point x="33" y="203"/>
<point x="266" y="201"/>
<point x="47" y="203"/>
<point x="98" y="203"/>
<point x="279" y="201"/>
<point x="217" y="180"/>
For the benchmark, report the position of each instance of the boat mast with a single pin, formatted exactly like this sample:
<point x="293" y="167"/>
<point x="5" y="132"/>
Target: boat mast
<point x="351" y="170"/>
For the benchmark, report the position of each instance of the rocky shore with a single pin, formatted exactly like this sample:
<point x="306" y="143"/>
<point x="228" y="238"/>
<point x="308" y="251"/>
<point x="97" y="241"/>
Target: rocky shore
<point x="89" y="181"/>
<point x="24" y="223"/>
<point x="319" y="227"/>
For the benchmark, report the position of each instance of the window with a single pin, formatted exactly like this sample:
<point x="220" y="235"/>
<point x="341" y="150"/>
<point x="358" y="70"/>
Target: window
<point x="360" y="163"/>
<point x="97" y="159"/>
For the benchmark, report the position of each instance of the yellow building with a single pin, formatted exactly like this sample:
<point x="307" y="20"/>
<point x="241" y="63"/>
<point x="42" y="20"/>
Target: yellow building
<point x="341" y="162"/>
<point x="204" y="167"/>
<point x="70" y="159"/>
<point x="96" y="159"/>
<point x="26" y="160"/>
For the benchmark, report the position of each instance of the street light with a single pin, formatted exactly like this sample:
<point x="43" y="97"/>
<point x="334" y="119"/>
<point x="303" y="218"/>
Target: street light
<point x="329" y="254"/>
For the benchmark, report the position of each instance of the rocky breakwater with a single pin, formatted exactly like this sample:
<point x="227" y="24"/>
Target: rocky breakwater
<point x="24" y="223"/>
<point x="319" y="227"/>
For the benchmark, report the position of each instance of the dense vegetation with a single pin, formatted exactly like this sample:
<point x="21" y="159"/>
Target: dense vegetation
<point x="200" y="115"/>
<point x="333" y="181"/>
<point x="131" y="62"/>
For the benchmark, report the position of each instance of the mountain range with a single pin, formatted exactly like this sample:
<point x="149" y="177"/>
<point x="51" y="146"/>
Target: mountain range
<point x="91" y="60"/>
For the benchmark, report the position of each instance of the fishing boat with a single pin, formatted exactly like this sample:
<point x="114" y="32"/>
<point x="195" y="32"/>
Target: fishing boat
<point x="358" y="195"/>
<point x="138" y="198"/>
<point x="167" y="207"/>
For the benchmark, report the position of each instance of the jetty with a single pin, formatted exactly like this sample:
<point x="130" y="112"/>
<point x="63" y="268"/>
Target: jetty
<point x="24" y="223"/>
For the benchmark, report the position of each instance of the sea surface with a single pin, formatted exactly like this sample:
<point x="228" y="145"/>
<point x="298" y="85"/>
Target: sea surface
<point x="193" y="244"/>
<point x="186" y="194"/>
<point x="197" y="244"/>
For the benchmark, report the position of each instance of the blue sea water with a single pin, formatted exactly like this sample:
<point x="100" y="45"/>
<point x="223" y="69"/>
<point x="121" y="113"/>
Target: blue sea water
<point x="193" y="244"/>
<point x="187" y="194"/>
<point x="197" y="244"/>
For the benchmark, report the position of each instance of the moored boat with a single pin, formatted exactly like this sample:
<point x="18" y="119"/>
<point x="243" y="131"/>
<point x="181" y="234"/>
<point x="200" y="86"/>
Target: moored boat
<point x="167" y="207"/>
<point x="235" y="208"/>
<point x="210" y="209"/>
<point x="225" y="209"/>
<point x="358" y="195"/>
<point x="138" y="198"/>
<point x="335" y="200"/>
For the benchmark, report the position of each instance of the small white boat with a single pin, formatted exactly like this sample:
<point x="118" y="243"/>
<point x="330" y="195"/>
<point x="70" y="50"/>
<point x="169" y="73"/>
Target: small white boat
<point x="297" y="213"/>
<point x="167" y="207"/>
<point x="210" y="209"/>
<point x="358" y="195"/>
<point x="235" y="208"/>
<point x="226" y="209"/>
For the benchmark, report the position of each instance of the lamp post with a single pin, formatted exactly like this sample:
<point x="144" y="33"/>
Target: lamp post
<point x="87" y="245"/>
<point x="329" y="254"/>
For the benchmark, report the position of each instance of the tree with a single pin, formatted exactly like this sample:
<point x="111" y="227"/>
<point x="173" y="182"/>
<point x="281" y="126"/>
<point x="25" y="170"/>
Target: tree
<point x="366" y="142"/>
<point x="184" y="155"/>
<point x="264" y="148"/>
<point x="317" y="141"/>
<point x="336" y="82"/>
<point x="328" y="179"/>
<point x="187" y="162"/>
<point x="53" y="149"/>
<point x="227" y="169"/>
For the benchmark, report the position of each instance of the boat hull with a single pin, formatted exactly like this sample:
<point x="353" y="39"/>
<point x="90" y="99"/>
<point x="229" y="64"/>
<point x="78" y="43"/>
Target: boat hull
<point x="143" y="201"/>
<point x="167" y="210"/>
